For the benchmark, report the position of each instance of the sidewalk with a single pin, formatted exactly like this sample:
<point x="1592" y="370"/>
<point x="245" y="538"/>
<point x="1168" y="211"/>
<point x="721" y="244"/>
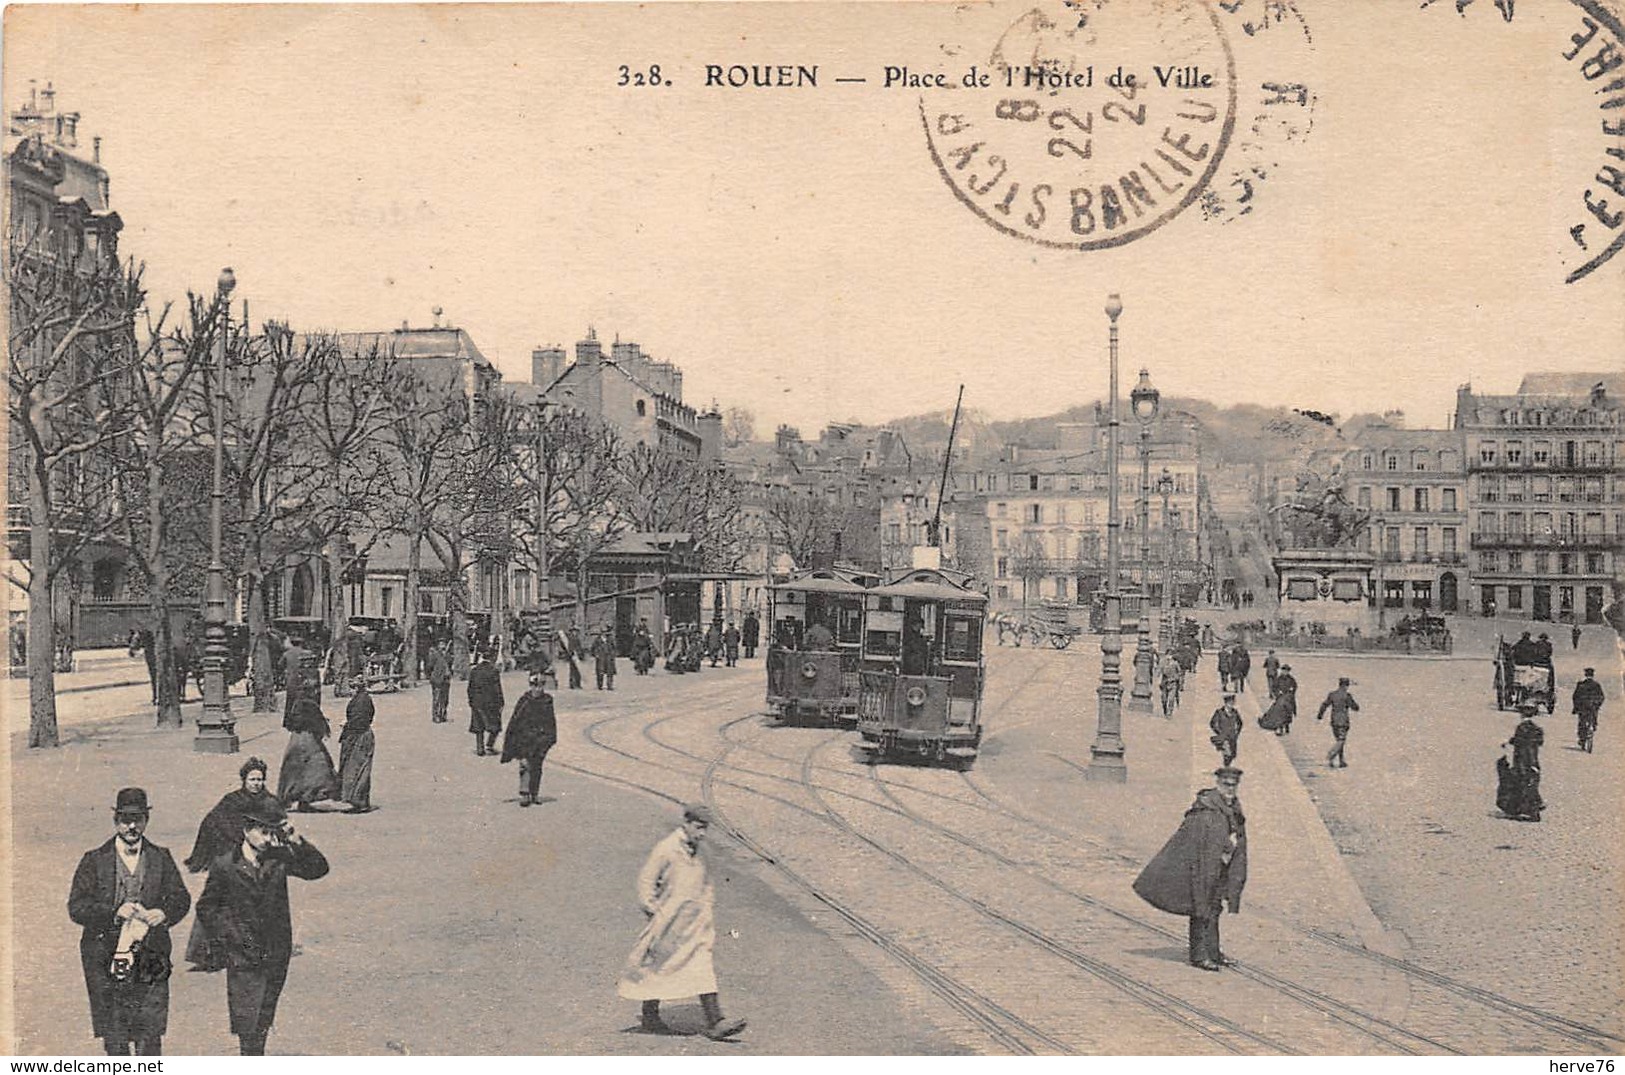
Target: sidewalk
<point x="96" y="669"/>
<point x="507" y="937"/>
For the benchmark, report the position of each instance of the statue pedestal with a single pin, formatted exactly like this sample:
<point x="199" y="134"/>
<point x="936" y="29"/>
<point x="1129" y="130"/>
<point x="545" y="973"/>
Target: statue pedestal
<point x="1337" y="587"/>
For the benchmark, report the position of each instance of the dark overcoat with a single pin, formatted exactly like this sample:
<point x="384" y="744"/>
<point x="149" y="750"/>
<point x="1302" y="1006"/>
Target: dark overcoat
<point x="130" y="1010"/>
<point x="603" y="655"/>
<point x="753" y="630"/>
<point x="1189" y="875"/>
<point x="533" y="728"/>
<point x="1225" y="723"/>
<point x="484" y="698"/>
<point x="245" y="911"/>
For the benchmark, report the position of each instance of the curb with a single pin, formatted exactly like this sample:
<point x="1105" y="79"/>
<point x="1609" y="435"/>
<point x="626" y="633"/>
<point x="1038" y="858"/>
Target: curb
<point x="1373" y="935"/>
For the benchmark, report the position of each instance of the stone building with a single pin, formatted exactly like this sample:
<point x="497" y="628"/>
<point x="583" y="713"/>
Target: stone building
<point x="1546" y="495"/>
<point x="1413" y="484"/>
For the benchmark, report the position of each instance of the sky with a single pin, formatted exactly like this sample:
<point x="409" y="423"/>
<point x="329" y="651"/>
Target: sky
<point x="797" y="251"/>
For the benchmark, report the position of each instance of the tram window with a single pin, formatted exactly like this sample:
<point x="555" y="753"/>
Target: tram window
<point x="884" y="643"/>
<point x="851" y="626"/>
<point x="961" y="641"/>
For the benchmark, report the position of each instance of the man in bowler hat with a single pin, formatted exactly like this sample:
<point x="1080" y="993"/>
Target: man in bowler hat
<point x="244" y="907"/>
<point x="1203" y="867"/>
<point x="126" y="895"/>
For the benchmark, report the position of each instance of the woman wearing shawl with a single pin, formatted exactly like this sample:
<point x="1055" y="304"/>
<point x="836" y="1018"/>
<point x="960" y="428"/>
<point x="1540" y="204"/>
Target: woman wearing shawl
<point x="220" y="833"/>
<point x="307" y="774"/>
<point x="356" y="745"/>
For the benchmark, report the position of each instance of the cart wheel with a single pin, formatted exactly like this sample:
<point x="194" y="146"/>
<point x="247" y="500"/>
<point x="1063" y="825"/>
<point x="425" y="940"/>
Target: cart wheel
<point x="1060" y="641"/>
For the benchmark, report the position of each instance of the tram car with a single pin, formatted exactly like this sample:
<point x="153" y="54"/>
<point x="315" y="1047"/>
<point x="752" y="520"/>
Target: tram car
<point x="923" y="672"/>
<point x="816" y="678"/>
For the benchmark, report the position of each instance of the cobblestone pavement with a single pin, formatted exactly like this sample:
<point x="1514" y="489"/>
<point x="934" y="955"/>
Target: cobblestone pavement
<point x="1528" y="910"/>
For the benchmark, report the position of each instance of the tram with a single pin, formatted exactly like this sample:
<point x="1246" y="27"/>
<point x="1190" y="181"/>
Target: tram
<point x="815" y="632"/>
<point x="923" y="672"/>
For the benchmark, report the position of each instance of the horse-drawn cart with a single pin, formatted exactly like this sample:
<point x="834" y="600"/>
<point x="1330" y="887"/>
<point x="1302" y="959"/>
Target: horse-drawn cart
<point x="1522" y="683"/>
<point x="1049" y="622"/>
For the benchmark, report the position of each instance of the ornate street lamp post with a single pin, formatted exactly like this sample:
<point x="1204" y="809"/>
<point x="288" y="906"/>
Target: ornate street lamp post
<point x="1165" y="637"/>
<point x="544" y="597"/>
<point x="216" y="729"/>
<point x="1381" y="545"/>
<point x="1144" y="400"/>
<point x="1106" y="752"/>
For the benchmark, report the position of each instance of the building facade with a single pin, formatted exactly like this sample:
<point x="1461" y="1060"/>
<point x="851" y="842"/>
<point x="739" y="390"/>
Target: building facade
<point x="1413" y="484"/>
<point x="1546" y="495"/>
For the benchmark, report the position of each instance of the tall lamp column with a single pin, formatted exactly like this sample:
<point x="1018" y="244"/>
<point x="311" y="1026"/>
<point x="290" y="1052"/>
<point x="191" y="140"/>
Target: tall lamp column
<point x="216" y="729"/>
<point x="1165" y="638"/>
<point x="1106" y="752"/>
<point x="544" y="596"/>
<point x="1144" y="400"/>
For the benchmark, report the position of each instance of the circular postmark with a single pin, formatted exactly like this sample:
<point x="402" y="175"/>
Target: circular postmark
<point x="1091" y="123"/>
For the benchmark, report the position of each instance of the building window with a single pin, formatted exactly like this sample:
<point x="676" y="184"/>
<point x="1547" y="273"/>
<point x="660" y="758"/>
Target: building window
<point x="1449" y="496"/>
<point x="1391" y="541"/>
<point x="1365" y="461"/>
<point x="1363" y="498"/>
<point x="1004" y="593"/>
<point x="1060" y="587"/>
<point x="1035" y="513"/>
<point x="1593" y="456"/>
<point x="1447" y="540"/>
<point x="1514" y="561"/>
<point x="642" y="409"/>
<point x="1514" y="452"/>
<point x="1515" y="598"/>
<point x="1419" y="541"/>
<point x="1390" y="461"/>
<point x="894" y="532"/>
<point x="1393" y="498"/>
<point x="1565" y="563"/>
<point x="1421" y="595"/>
<point x="1419" y="497"/>
<point x="1487" y="561"/>
<point x="1543" y="563"/>
<point x="1001" y="539"/>
<point x="1032" y="481"/>
<point x="1486" y="452"/>
<point x="1489" y="488"/>
<point x="1001" y="509"/>
<point x="1514" y="489"/>
<point x="1593" y="563"/>
<point x="1540" y="453"/>
<point x="1419" y="460"/>
<point x="1003" y="569"/>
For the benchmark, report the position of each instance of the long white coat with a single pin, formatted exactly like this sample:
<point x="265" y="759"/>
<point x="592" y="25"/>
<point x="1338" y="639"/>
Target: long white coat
<point x="672" y="958"/>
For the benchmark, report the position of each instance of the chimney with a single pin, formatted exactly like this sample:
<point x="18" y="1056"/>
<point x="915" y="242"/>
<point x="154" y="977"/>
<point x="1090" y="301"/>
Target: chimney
<point x="589" y="351"/>
<point x="546" y="365"/>
<point x="437" y="312"/>
<point x="33" y="95"/>
<point x="96" y="149"/>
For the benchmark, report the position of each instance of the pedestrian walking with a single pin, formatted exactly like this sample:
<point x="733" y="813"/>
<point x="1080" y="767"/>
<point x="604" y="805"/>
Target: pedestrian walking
<point x="532" y="731"/>
<point x="603" y="659"/>
<point x="1241" y="663"/>
<point x="307" y="775"/>
<point x="1272" y="668"/>
<point x="1172" y="678"/>
<point x="1226" y="726"/>
<point x="1588" y="701"/>
<point x="356" y="747"/>
<point x="643" y="649"/>
<point x="180" y="655"/>
<point x="1518" y="791"/>
<point x="713" y="642"/>
<point x="1203" y="867"/>
<point x="298" y="664"/>
<point x="1574" y="636"/>
<point x="245" y="905"/>
<point x="439" y="668"/>
<point x="672" y="956"/>
<point x="569" y="652"/>
<point x="125" y="897"/>
<point x="1341" y="703"/>
<point x="751" y="634"/>
<point x="1286" y="692"/>
<point x="484" y="705"/>
<point x="1226" y="661"/>
<point x="220" y="831"/>
<point x="730" y="645"/>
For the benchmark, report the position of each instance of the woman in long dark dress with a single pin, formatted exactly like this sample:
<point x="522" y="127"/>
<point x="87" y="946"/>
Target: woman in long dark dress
<point x="307" y="774"/>
<point x="356" y="746"/>
<point x="1522" y="794"/>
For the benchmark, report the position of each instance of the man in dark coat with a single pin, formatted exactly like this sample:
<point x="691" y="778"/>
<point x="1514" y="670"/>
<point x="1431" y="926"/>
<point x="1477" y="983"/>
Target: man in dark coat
<point x="244" y="907"/>
<point x="570" y="652"/>
<point x="484" y="705"/>
<point x="1240" y="663"/>
<point x="1226" y="726"/>
<point x="713" y="643"/>
<point x="180" y="655"/>
<point x="141" y="638"/>
<point x="730" y="645"/>
<point x="439" y="668"/>
<point x="1525" y="650"/>
<point x="1341" y="703"/>
<point x="1202" y="867"/>
<point x="603" y="659"/>
<point x="643" y="649"/>
<point x="752" y="634"/>
<point x="1285" y="692"/>
<point x="1587" y="704"/>
<point x="1272" y="668"/>
<point x="126" y="894"/>
<point x="532" y="731"/>
<point x="1226" y="661"/>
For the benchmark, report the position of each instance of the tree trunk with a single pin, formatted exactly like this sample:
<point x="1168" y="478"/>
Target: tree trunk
<point x="41" y="614"/>
<point x="169" y="703"/>
<point x="456" y="604"/>
<point x="414" y="583"/>
<point x="262" y="674"/>
<point x="581" y="595"/>
<point x="338" y="654"/>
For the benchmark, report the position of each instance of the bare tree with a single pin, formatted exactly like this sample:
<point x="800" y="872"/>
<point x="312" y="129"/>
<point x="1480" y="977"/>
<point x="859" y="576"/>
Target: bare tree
<point x="67" y="342"/>
<point x="1028" y="561"/>
<point x="665" y="491"/>
<point x="591" y="519"/>
<point x="157" y="464"/>
<point x="801" y="524"/>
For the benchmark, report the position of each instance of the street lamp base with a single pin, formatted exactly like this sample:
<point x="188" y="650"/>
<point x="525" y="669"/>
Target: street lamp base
<point x="215" y="740"/>
<point x="1106" y="767"/>
<point x="1139" y="703"/>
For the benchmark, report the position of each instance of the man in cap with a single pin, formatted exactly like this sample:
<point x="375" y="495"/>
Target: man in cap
<point x="1202" y="867"/>
<point x="1341" y="703"/>
<point x="1272" y="668"/>
<point x="672" y="957"/>
<point x="125" y="896"/>
<point x="532" y="731"/>
<point x="1587" y="704"/>
<point x="439" y="667"/>
<point x="244" y="907"/>
<point x="1226" y="725"/>
<point x="1286" y="693"/>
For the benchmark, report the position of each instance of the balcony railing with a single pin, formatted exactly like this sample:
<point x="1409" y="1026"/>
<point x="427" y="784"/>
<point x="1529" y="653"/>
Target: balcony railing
<point x="1523" y="539"/>
<point x="1549" y="467"/>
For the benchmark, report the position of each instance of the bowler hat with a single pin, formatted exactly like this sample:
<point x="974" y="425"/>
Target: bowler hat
<point x="1590" y="671"/>
<point x="131" y="801"/>
<point x="1229" y="696"/>
<point x="1227" y="772"/>
<point x="265" y="815"/>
